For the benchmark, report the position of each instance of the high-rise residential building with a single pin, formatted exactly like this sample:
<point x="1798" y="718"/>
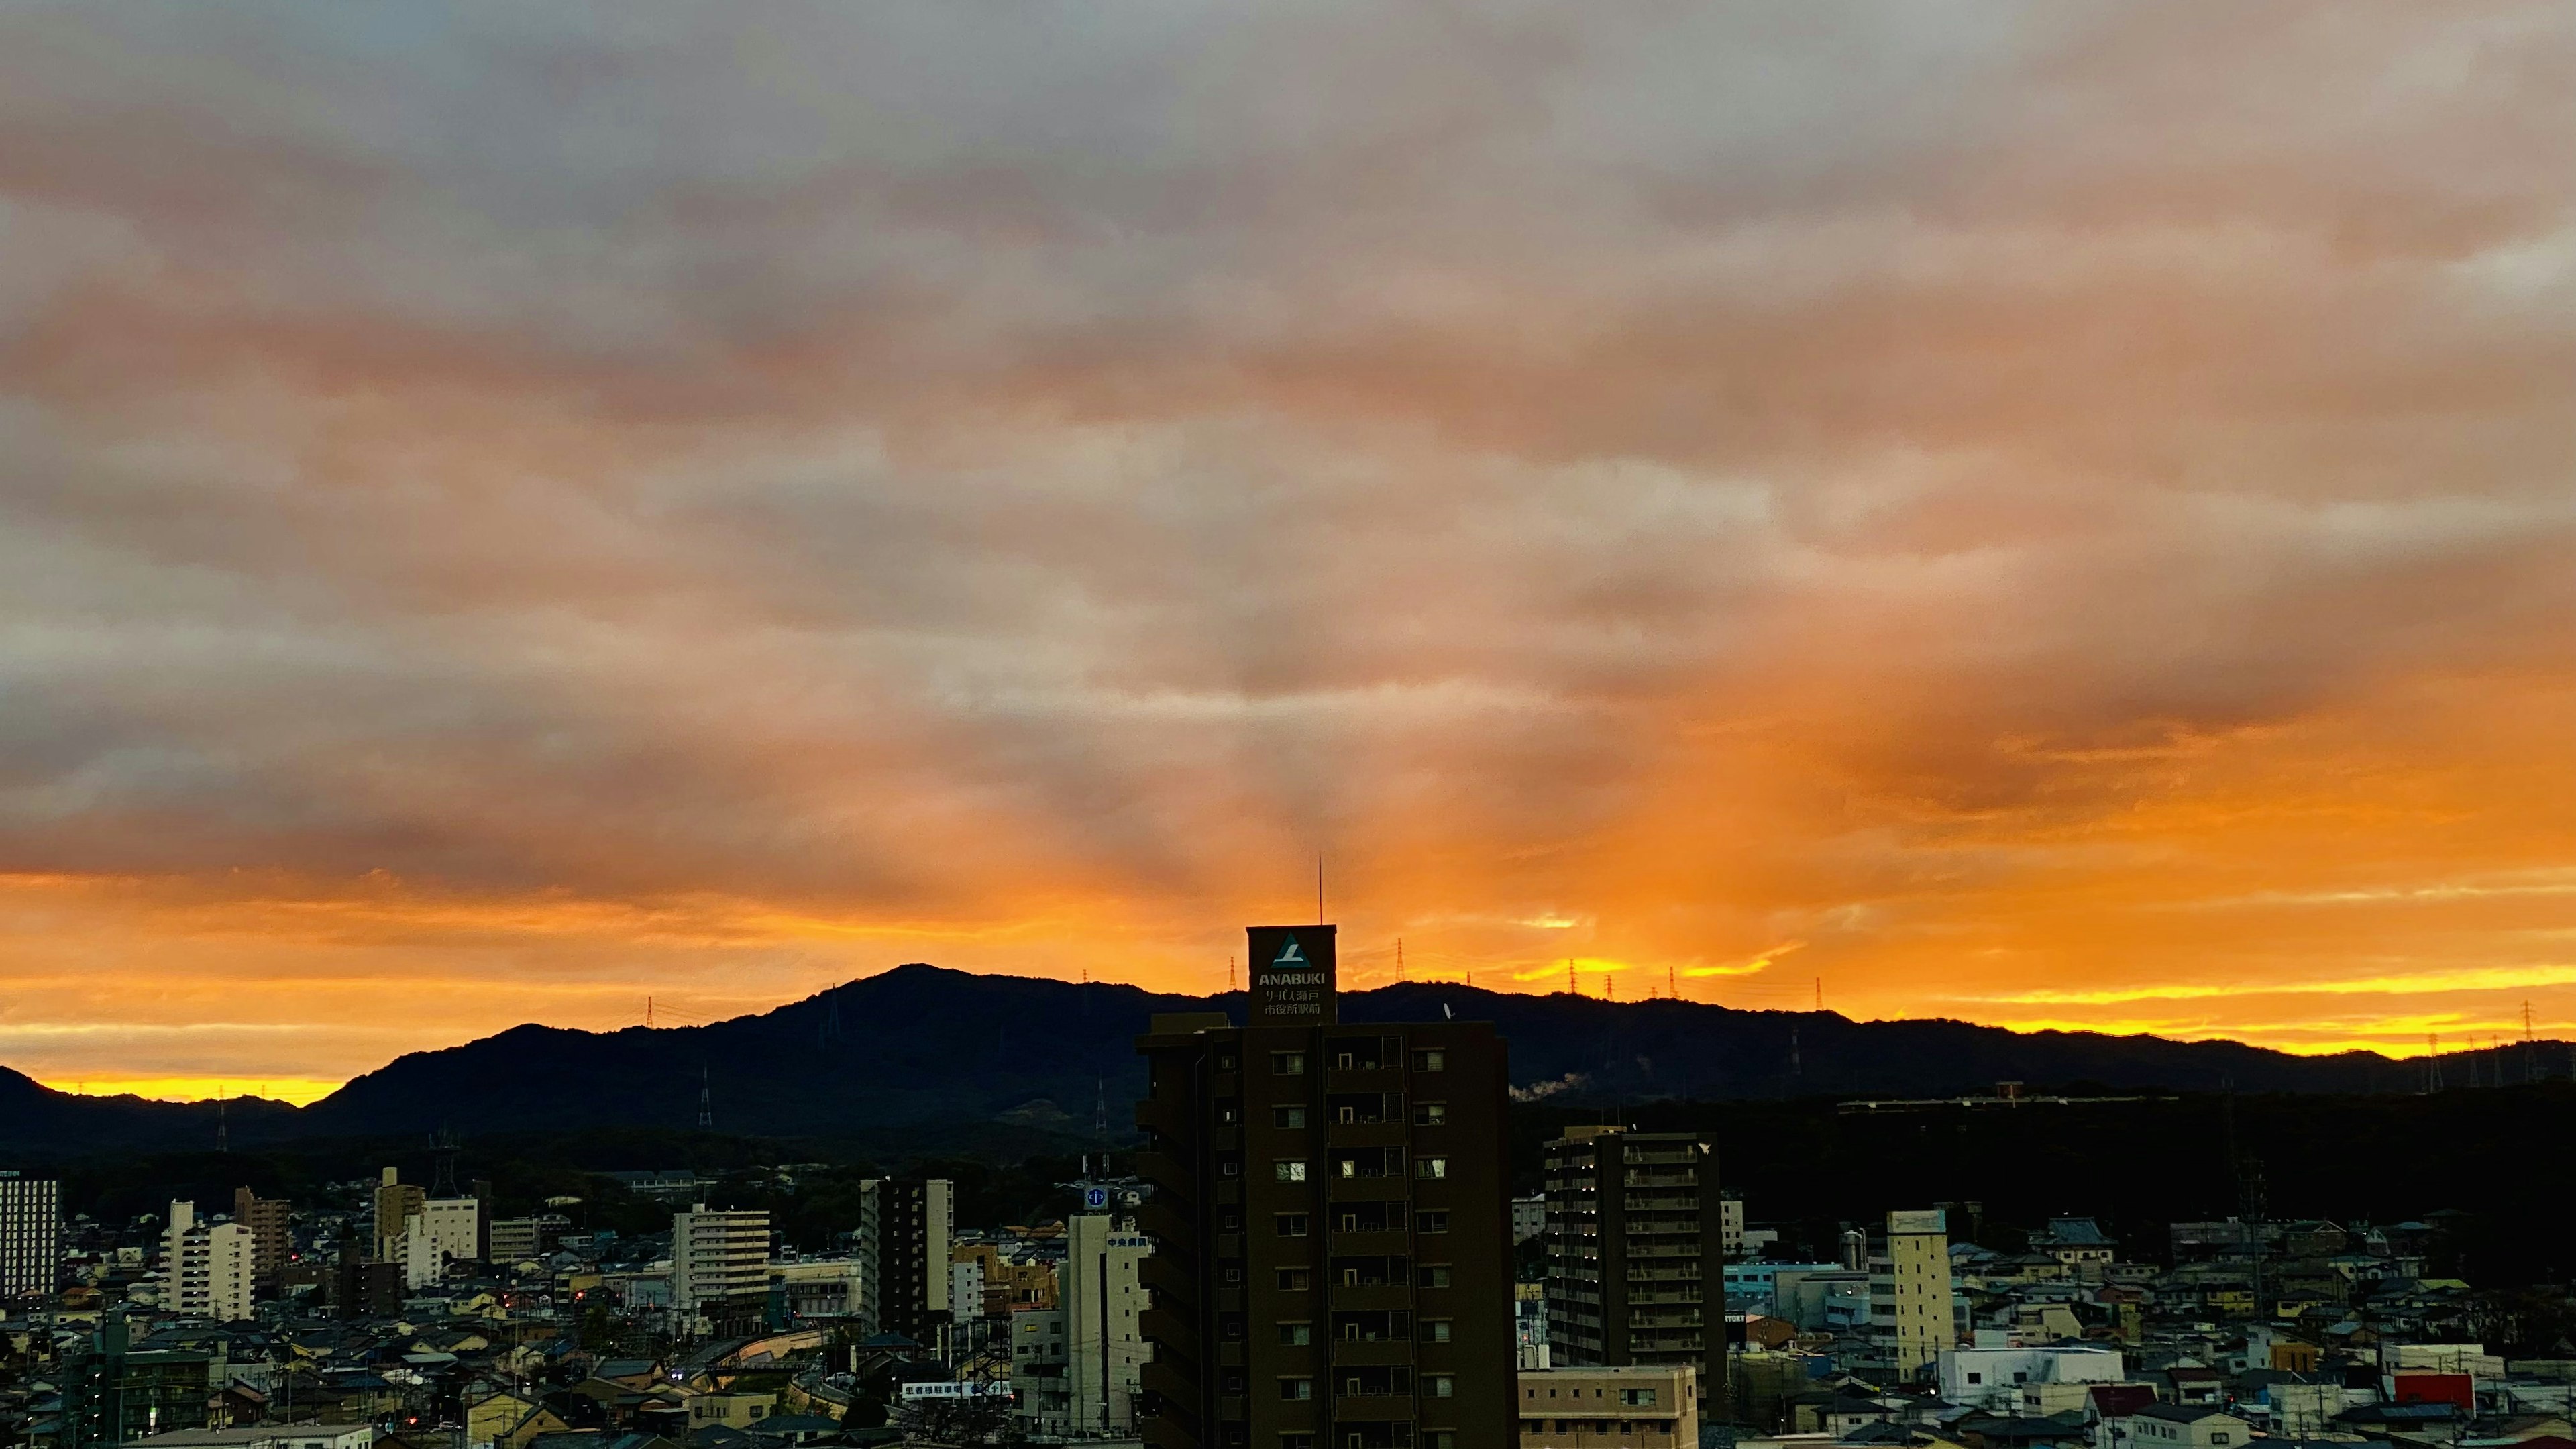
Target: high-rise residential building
<point x="1089" y="1385"/>
<point x="270" y="1241"/>
<point x="720" y="1266"/>
<point x="905" y="1229"/>
<point x="1635" y="1253"/>
<point x="1912" y="1307"/>
<point x="31" y="1235"/>
<point x="397" y="1202"/>
<point x="205" y="1266"/>
<point x="1331" y="1223"/>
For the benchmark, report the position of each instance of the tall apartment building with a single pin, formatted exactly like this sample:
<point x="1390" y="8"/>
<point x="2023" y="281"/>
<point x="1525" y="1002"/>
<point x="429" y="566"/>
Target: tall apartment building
<point x="206" y="1267"/>
<point x="31" y="1235"/>
<point x="270" y="1243"/>
<point x="1636" y="1253"/>
<point x="905" y="1229"/>
<point x="1912" y="1308"/>
<point x="720" y="1265"/>
<point x="1331" y="1223"/>
<point x="397" y="1203"/>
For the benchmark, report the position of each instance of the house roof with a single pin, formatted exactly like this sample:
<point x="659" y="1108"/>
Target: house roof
<point x="2181" y="1413"/>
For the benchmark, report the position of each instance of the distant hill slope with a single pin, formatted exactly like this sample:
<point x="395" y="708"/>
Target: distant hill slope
<point x="921" y="1053"/>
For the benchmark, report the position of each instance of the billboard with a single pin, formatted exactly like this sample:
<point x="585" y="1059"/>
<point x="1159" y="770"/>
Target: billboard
<point x="1292" y="975"/>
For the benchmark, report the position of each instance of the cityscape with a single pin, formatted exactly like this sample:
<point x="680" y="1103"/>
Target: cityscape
<point x="1288" y="724"/>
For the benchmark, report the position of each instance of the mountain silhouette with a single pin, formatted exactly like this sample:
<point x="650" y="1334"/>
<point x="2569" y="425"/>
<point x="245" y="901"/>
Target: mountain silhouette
<point x="921" y="1053"/>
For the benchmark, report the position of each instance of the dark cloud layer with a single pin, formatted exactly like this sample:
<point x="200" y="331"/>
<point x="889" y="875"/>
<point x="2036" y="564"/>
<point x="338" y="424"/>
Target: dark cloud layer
<point x="2043" y="511"/>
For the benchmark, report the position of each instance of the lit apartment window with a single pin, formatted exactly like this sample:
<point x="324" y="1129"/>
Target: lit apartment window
<point x="1430" y="1114"/>
<point x="1287" y="1116"/>
<point x="1430" y="1060"/>
<point x="1291" y="1169"/>
<point x="1439" y="1386"/>
<point x="1296" y="1388"/>
<point x="1431" y="1167"/>
<point x="1435" y="1330"/>
<point x="1288" y="1064"/>
<point x="1296" y="1335"/>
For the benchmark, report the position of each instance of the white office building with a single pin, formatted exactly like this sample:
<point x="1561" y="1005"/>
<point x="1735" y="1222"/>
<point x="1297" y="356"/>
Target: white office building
<point x="455" y="1225"/>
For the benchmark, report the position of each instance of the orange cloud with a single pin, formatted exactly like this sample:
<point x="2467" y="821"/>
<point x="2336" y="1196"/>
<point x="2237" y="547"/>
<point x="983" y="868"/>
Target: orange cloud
<point x="2055" y="516"/>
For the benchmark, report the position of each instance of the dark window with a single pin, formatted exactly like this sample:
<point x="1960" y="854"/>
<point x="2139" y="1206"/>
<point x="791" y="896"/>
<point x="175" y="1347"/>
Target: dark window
<point x="1432" y="1060"/>
<point x="1431" y="1222"/>
<point x="1288" y="1064"/>
<point x="1296" y="1388"/>
<point x="1434" y="1275"/>
<point x="1430" y="1114"/>
<point x="1294" y="1334"/>
<point x="1292" y="1280"/>
<point x="1291" y="1225"/>
<point x="1287" y="1116"/>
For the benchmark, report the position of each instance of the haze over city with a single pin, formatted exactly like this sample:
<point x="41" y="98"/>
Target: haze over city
<point x="2055" y="516"/>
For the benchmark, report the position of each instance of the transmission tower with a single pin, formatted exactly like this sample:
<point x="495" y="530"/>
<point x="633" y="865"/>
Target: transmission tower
<point x="706" y="1101"/>
<point x="442" y="1156"/>
<point x="2432" y="1062"/>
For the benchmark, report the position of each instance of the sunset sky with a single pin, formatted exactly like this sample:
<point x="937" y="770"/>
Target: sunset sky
<point x="2056" y="515"/>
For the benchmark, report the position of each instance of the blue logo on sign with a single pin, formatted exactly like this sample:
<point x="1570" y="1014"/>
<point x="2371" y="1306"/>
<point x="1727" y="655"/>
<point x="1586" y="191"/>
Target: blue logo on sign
<point x="1095" y="1197"/>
